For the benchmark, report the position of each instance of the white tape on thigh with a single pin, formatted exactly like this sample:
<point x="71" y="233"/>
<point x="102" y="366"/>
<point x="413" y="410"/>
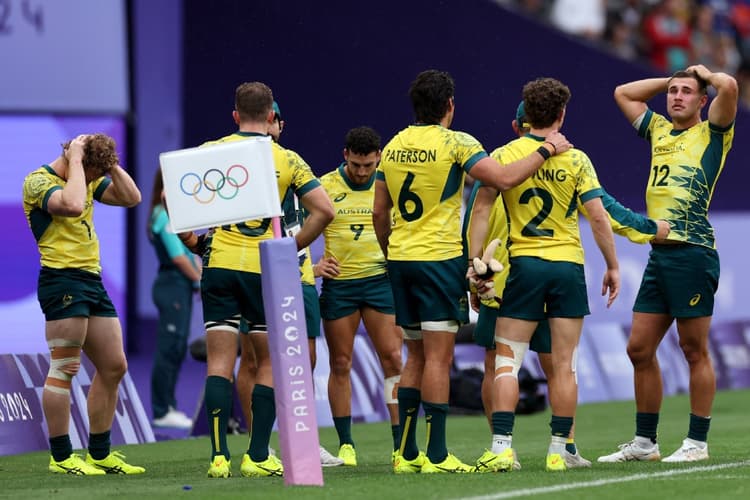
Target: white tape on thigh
<point x="508" y="354"/>
<point x="390" y="385"/>
<point x="450" y="326"/>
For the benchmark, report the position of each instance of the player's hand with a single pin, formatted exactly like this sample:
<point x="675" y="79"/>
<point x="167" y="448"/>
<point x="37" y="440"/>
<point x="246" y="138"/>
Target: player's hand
<point x="611" y="284"/>
<point x="700" y="70"/>
<point x="327" y="267"/>
<point x="74" y="153"/>
<point x="487" y="266"/>
<point x="662" y="230"/>
<point x="559" y="142"/>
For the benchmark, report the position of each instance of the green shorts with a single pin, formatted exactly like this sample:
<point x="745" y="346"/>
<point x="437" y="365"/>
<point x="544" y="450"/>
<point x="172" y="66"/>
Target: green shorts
<point x="340" y="298"/>
<point x="484" y="331"/>
<point x="312" y="310"/>
<point x="70" y="293"/>
<point x="534" y="283"/>
<point x="429" y="291"/>
<point x="679" y="280"/>
<point x="226" y="294"/>
<point x="312" y="313"/>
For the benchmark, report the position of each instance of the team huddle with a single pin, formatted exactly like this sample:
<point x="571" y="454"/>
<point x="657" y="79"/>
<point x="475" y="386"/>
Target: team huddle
<point x="398" y="259"/>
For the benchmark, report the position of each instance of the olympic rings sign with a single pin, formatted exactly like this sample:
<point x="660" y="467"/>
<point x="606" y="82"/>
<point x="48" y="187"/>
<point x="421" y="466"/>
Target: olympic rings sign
<point x="215" y="182"/>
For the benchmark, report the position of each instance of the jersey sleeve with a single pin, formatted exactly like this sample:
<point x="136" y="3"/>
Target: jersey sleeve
<point x="468" y="150"/>
<point x="303" y="178"/>
<point x="37" y="189"/>
<point x="587" y="184"/>
<point x="160" y="229"/>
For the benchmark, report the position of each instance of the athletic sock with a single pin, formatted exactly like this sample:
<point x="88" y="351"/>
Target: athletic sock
<point x="218" y="407"/>
<point x="60" y="447"/>
<point x="408" y="411"/>
<point x="344" y="429"/>
<point x="698" y="430"/>
<point x="99" y="445"/>
<point x="646" y="424"/>
<point x="435" y="416"/>
<point x="264" y="414"/>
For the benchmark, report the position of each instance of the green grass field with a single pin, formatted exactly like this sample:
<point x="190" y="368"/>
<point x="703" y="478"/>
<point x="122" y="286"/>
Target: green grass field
<point x="173" y="465"/>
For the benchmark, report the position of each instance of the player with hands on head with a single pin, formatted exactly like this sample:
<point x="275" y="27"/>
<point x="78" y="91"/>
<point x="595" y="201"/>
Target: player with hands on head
<point x="682" y="273"/>
<point x="58" y="203"/>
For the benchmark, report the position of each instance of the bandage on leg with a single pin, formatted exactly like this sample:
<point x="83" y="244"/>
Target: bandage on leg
<point x="65" y="361"/>
<point x="509" y="357"/>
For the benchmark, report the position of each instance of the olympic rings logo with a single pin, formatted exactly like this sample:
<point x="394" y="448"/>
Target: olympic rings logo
<point x="215" y="182"/>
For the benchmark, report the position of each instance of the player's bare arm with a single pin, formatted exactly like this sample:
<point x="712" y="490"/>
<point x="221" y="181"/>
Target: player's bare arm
<point x="632" y="97"/>
<point x="723" y="108"/>
<point x="122" y="192"/>
<point x="504" y="177"/>
<point x="71" y="199"/>
<point x="602" y="232"/>
<point x="381" y="215"/>
<point x="321" y="213"/>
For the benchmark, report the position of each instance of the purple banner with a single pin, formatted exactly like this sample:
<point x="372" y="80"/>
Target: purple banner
<point x="290" y="361"/>
<point x="22" y="425"/>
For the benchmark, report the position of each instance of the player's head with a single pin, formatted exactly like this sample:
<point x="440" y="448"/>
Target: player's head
<point x="686" y="95"/>
<point x="99" y="155"/>
<point x="253" y="102"/>
<point x="277" y="126"/>
<point x="544" y="101"/>
<point x="431" y="96"/>
<point x="361" y="154"/>
<point x="520" y="124"/>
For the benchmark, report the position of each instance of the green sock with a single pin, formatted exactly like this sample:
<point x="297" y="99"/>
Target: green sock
<point x="561" y="426"/>
<point x="60" y="447"/>
<point x="396" y="435"/>
<point x="646" y="424"/>
<point x="502" y="423"/>
<point x="698" y="430"/>
<point x="408" y="411"/>
<point x="344" y="429"/>
<point x="218" y="398"/>
<point x="435" y="416"/>
<point x="99" y="445"/>
<point x="264" y="414"/>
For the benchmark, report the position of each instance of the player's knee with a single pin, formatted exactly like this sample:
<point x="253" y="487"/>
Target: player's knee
<point x="509" y="357"/>
<point x="65" y="361"/>
<point x="694" y="353"/>
<point x="391" y="362"/>
<point x="114" y="370"/>
<point x="640" y="354"/>
<point x="341" y="364"/>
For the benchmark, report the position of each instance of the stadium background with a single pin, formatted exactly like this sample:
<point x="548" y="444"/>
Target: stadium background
<point x="161" y="76"/>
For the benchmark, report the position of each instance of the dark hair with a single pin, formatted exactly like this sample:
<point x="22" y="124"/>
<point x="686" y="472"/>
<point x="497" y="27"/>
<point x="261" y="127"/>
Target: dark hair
<point x="99" y="155"/>
<point x="544" y="99"/>
<point x="253" y="101"/>
<point x="430" y="94"/>
<point x="362" y="141"/>
<point x="702" y="84"/>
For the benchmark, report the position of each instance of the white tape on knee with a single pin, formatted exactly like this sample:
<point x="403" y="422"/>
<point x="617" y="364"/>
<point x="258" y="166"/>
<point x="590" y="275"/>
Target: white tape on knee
<point x="63" y="354"/>
<point x="574" y="364"/>
<point x="390" y="388"/>
<point x="509" y="354"/>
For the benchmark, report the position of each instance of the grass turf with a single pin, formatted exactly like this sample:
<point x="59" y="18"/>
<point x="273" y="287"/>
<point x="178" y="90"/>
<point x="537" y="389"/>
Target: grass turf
<point x="178" y="468"/>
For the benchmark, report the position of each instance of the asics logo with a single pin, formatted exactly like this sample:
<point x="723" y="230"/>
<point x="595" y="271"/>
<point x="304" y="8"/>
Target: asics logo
<point x="695" y="299"/>
<point x="216" y="411"/>
<point x="339" y="198"/>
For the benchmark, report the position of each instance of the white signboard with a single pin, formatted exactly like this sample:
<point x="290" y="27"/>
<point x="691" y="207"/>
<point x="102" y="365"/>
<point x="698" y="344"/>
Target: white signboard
<point x="220" y="184"/>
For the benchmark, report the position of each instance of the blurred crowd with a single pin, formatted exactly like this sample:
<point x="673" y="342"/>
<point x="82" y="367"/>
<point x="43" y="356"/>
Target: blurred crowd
<point x="667" y="34"/>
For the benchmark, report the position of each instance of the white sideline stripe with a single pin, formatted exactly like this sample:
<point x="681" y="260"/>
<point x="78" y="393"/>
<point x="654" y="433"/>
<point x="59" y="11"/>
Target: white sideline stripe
<point x="602" y="482"/>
